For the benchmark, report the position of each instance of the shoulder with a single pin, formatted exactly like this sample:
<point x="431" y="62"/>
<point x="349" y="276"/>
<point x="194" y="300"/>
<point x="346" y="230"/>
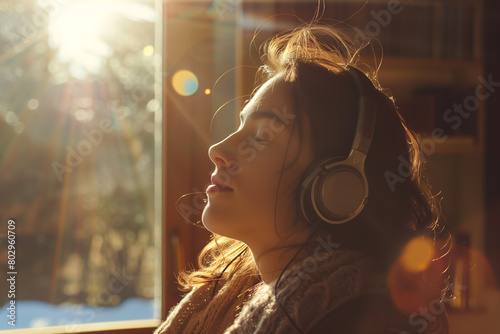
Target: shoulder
<point x="372" y="314"/>
<point x="346" y="275"/>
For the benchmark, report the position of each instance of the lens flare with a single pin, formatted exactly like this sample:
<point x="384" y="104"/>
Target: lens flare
<point x="417" y="254"/>
<point x="417" y="278"/>
<point x="185" y="82"/>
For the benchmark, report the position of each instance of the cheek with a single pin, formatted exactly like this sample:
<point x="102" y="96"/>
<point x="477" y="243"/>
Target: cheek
<point x="259" y="183"/>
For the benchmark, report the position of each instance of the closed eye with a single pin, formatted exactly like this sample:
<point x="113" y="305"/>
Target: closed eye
<point x="259" y="136"/>
<point x="260" y="140"/>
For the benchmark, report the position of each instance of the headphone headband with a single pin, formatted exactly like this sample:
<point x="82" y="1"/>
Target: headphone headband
<point x="366" y="117"/>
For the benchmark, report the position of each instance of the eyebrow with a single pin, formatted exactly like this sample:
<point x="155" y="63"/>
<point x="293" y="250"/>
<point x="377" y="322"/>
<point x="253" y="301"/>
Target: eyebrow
<point x="262" y="114"/>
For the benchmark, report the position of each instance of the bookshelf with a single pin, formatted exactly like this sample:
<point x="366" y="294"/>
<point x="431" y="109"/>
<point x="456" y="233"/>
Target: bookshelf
<point x="439" y="94"/>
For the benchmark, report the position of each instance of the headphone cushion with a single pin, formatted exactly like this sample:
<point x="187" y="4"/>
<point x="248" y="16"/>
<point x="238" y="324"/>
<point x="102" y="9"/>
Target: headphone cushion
<point x="339" y="192"/>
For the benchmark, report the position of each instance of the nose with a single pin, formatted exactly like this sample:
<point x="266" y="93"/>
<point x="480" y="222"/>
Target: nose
<point x="220" y="154"/>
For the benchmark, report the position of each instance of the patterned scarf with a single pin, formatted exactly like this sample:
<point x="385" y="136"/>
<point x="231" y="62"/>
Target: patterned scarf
<point x="308" y="291"/>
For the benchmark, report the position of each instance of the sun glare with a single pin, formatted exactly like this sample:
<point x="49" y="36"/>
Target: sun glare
<point x="75" y="32"/>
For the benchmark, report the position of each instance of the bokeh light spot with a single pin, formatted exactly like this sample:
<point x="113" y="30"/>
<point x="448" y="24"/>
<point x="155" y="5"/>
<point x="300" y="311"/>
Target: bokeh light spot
<point x="33" y="104"/>
<point x="417" y="254"/>
<point x="148" y="50"/>
<point x="207" y="91"/>
<point x="84" y="115"/>
<point x="18" y="128"/>
<point x="185" y="82"/>
<point x="11" y="118"/>
<point x="153" y="105"/>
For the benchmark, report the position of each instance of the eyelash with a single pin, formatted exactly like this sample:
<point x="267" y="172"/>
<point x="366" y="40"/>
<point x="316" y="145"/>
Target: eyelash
<point x="260" y="140"/>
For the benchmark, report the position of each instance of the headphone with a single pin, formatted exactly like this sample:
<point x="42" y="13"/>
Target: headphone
<point x="335" y="189"/>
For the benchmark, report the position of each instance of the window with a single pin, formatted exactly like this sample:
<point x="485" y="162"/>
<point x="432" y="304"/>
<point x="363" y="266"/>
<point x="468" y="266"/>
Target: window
<point x="80" y="162"/>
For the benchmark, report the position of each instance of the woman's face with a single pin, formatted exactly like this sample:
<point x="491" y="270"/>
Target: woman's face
<point x="257" y="171"/>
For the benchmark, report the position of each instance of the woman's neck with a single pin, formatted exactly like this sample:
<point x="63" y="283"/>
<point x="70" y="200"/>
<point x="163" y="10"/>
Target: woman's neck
<point x="272" y="261"/>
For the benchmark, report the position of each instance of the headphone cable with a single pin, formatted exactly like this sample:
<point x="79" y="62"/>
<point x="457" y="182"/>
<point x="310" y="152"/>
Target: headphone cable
<point x="224" y="270"/>
<point x="311" y="234"/>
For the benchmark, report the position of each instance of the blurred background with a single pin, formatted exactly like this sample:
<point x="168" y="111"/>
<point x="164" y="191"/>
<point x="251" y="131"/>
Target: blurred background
<point x="77" y="159"/>
<point x="107" y="112"/>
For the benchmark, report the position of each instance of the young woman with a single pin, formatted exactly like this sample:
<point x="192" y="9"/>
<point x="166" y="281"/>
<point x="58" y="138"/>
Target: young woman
<point x="321" y="222"/>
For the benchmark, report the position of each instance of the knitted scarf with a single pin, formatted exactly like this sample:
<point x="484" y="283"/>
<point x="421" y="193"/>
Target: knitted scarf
<point x="307" y="292"/>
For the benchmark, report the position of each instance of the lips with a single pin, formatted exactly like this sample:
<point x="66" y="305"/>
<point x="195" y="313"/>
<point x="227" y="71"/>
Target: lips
<point x="218" y="186"/>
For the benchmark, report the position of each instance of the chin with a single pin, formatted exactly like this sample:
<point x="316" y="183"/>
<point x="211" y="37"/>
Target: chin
<point x="213" y="220"/>
<point x="218" y="222"/>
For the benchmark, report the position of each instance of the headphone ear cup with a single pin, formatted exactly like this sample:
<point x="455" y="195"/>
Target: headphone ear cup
<point x="332" y="191"/>
<point x="311" y="174"/>
<point x="339" y="193"/>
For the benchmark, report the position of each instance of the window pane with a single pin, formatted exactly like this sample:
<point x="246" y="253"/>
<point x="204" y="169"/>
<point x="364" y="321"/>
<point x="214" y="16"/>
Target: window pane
<point x="79" y="142"/>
